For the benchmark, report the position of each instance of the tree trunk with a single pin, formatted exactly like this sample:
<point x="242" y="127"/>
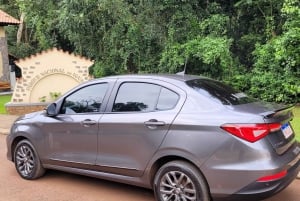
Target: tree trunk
<point x="21" y="27"/>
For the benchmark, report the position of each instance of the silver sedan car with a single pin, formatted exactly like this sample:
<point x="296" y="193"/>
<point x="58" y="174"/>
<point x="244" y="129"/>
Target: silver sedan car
<point x="188" y="138"/>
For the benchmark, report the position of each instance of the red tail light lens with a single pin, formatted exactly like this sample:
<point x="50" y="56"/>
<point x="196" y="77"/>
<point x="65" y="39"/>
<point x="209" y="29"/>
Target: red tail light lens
<point x="273" y="177"/>
<point x="251" y="132"/>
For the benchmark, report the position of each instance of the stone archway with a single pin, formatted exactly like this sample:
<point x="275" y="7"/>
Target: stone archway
<point x="51" y="71"/>
<point x="39" y="94"/>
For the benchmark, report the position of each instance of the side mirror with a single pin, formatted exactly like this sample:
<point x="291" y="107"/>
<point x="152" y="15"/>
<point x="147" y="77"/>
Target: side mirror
<point x="51" y="110"/>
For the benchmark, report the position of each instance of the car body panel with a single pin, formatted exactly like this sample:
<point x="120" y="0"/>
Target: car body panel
<point x="134" y="133"/>
<point x="82" y="148"/>
<point x="129" y="147"/>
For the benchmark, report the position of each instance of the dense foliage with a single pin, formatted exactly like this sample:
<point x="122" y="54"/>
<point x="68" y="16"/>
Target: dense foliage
<point x="252" y="44"/>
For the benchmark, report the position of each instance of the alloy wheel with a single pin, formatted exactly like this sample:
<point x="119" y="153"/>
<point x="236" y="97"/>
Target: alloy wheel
<point x="177" y="186"/>
<point x="25" y="160"/>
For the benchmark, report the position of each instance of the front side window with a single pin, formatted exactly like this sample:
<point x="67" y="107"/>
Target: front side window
<point x="144" y="97"/>
<point x="85" y="100"/>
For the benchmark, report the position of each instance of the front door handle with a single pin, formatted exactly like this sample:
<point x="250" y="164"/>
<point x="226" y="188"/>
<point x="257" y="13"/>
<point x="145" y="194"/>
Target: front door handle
<point x="153" y="123"/>
<point x="88" y="122"/>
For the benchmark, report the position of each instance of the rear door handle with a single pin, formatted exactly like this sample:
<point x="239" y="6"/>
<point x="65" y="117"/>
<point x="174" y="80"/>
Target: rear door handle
<point x="153" y="123"/>
<point x="88" y="122"/>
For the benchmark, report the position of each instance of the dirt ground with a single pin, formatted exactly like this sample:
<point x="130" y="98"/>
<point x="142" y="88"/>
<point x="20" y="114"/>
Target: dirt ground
<point x="60" y="186"/>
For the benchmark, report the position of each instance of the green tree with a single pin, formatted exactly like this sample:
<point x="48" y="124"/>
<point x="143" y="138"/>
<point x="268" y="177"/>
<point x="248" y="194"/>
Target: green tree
<point x="276" y="70"/>
<point x="205" y="49"/>
<point x="254" y="21"/>
<point x="251" y="44"/>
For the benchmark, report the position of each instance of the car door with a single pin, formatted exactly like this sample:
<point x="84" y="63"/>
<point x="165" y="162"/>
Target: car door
<point x="138" y="118"/>
<point x="73" y="133"/>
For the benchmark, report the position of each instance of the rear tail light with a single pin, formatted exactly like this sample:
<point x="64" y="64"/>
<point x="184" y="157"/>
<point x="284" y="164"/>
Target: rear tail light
<point x="273" y="177"/>
<point x="251" y="132"/>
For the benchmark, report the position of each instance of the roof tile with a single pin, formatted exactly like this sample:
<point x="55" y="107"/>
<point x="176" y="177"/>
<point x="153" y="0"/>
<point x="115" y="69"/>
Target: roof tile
<point x="6" y="19"/>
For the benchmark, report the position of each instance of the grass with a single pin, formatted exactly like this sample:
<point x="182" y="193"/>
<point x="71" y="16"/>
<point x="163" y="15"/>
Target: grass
<point x="3" y="100"/>
<point x="296" y="122"/>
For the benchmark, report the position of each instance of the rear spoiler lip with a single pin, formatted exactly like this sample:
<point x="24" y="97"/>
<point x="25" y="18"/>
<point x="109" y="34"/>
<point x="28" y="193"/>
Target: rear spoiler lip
<point x="275" y="113"/>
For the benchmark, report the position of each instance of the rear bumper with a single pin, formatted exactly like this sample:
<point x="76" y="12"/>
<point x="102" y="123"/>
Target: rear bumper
<point x="263" y="190"/>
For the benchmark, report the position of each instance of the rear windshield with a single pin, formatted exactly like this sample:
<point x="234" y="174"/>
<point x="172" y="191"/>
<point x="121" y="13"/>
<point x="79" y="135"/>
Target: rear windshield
<point x="219" y="92"/>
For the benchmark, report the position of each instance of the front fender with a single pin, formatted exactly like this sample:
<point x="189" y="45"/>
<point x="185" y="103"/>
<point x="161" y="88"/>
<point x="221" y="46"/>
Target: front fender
<point x="21" y="131"/>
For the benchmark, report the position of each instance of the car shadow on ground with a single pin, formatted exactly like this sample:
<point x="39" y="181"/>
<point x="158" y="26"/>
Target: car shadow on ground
<point x="93" y="188"/>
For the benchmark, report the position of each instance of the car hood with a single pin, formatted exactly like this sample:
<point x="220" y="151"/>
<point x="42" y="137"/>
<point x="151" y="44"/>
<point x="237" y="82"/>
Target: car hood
<point x="29" y="115"/>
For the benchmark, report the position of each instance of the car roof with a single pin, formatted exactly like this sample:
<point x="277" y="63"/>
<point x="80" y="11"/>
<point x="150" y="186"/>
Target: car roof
<point x="177" y="77"/>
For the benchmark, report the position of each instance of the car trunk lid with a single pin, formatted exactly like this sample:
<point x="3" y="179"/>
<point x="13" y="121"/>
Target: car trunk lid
<point x="283" y="138"/>
<point x="280" y="139"/>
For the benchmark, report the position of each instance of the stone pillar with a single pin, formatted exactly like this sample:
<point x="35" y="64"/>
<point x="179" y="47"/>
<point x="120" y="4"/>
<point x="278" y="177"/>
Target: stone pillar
<point x="4" y="62"/>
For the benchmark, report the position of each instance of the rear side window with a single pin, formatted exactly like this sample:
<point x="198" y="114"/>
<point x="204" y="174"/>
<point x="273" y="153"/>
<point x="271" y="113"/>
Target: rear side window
<point x="144" y="97"/>
<point x="167" y="99"/>
<point x="219" y="92"/>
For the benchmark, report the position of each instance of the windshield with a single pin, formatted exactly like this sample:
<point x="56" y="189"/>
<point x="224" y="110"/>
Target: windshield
<point x="219" y="92"/>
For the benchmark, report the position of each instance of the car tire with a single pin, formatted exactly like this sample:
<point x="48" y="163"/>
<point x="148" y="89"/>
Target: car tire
<point x="27" y="161"/>
<point x="179" y="180"/>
